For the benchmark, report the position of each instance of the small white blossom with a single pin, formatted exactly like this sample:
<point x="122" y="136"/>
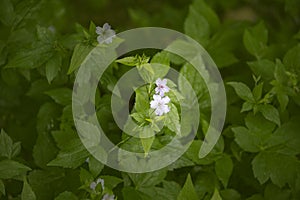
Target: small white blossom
<point x="94" y="184"/>
<point x="108" y="197"/>
<point x="106" y="34"/>
<point x="162" y="87"/>
<point x="100" y="180"/>
<point x="160" y="104"/>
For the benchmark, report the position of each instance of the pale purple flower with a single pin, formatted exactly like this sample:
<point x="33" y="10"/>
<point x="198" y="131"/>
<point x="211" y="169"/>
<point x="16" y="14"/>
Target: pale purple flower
<point x="94" y="184"/>
<point x="108" y="197"/>
<point x="160" y="104"/>
<point x="106" y="34"/>
<point x="100" y="180"/>
<point x="162" y="87"/>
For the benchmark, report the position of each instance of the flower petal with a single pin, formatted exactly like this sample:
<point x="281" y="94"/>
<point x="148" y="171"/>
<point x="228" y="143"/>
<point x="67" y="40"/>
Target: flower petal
<point x="157" y="97"/>
<point x="158" y="82"/>
<point x="165" y="100"/>
<point x="106" y="26"/>
<point x="99" y="30"/>
<point x="165" y="109"/>
<point x="153" y="104"/>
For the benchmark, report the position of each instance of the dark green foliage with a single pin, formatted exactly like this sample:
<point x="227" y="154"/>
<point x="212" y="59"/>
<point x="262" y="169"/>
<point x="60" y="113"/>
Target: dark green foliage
<point x="256" y="46"/>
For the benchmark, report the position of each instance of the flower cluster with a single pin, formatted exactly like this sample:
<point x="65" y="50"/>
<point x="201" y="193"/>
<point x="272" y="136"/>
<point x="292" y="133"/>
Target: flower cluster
<point x="105" y="34"/>
<point x="94" y="184"/>
<point x="160" y="101"/>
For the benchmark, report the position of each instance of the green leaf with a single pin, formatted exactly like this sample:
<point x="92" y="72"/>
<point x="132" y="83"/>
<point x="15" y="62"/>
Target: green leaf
<point x="291" y="60"/>
<point x="142" y="103"/>
<point x="45" y="149"/>
<point x="207" y="12"/>
<point x="184" y="48"/>
<point x="287" y="137"/>
<point x="197" y="27"/>
<point x="111" y="181"/>
<point x="171" y="189"/>
<point x="159" y="70"/>
<point x="264" y="68"/>
<point x="63" y="137"/>
<point x="223" y="168"/>
<point x="183" y="161"/>
<point x="230" y="194"/>
<point x="145" y="180"/>
<point x="247" y="106"/>
<point x="16" y="149"/>
<point x="6" y="145"/>
<point x="2" y="187"/>
<point x="224" y="42"/>
<point x="79" y="54"/>
<point x="72" y="156"/>
<point x="270" y="113"/>
<point x="146" y="72"/>
<point x="188" y="190"/>
<point x="257" y="91"/>
<point x="216" y="195"/>
<point x="256" y="136"/>
<point x="12" y="169"/>
<point x="272" y="192"/>
<point x="190" y="76"/>
<point x="66" y="195"/>
<point x="46" y="183"/>
<point x="27" y="193"/>
<point x="246" y="139"/>
<point x="161" y="58"/>
<point x="205" y="184"/>
<point x="223" y="58"/>
<point x="61" y="96"/>
<point x="95" y="166"/>
<point x="139" y="117"/>
<point x="243" y="91"/>
<point x="255" y="40"/>
<point x="129" y="61"/>
<point x="172" y="120"/>
<point x="278" y="167"/>
<point x="35" y="56"/>
<point x="215" y="154"/>
<point x="130" y="193"/>
<point x="147" y="143"/>
<point x="6" y="12"/>
<point x="53" y="67"/>
<point x="280" y="73"/>
<point x="85" y="176"/>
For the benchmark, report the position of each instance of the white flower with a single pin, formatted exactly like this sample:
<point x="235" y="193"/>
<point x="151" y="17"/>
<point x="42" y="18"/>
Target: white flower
<point x="94" y="184"/>
<point x="108" y="197"/>
<point x="160" y="104"/>
<point x="106" y="34"/>
<point x="100" y="180"/>
<point x="162" y="87"/>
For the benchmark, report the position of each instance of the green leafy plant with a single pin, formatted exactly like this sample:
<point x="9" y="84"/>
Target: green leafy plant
<point x="256" y="51"/>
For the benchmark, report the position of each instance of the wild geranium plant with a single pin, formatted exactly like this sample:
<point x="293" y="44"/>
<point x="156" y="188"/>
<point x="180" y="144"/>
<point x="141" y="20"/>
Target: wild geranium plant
<point x="256" y="46"/>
